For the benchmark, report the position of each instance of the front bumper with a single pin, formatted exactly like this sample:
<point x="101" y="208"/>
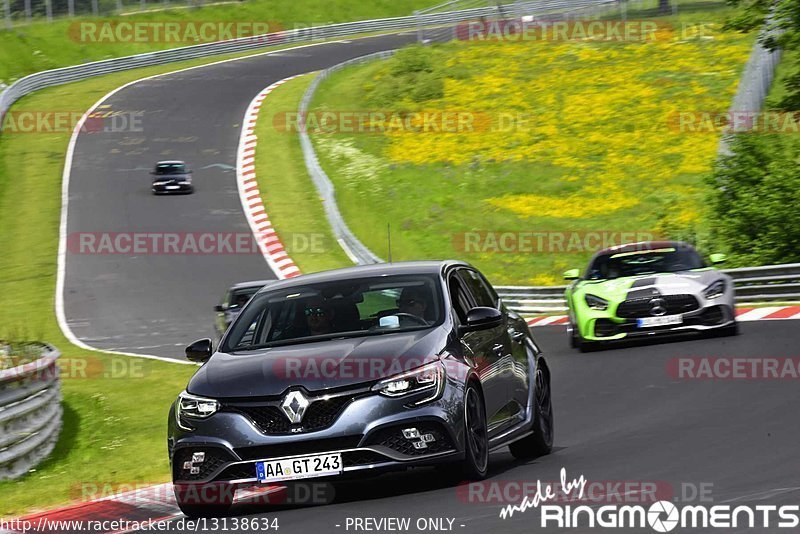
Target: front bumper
<point x="171" y="189"/>
<point x="596" y="325"/>
<point x="367" y="432"/>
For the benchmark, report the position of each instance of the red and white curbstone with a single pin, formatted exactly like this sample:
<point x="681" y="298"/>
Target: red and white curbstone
<point x="766" y="313"/>
<point x="268" y="240"/>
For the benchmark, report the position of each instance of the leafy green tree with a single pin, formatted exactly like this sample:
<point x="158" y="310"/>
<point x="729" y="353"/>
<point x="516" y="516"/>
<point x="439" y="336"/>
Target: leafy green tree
<point x="755" y="200"/>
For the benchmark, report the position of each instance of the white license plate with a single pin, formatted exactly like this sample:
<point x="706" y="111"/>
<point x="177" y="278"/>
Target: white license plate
<point x="173" y="187"/>
<point x="318" y="465"/>
<point x="664" y="320"/>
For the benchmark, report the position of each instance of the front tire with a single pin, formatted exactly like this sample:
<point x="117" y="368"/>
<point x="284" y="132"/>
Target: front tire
<point x="540" y="443"/>
<point x="475" y="465"/>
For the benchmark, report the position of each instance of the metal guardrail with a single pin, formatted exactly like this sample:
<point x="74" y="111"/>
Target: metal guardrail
<point x="770" y="283"/>
<point x="49" y="78"/>
<point x="30" y="411"/>
<point x="353" y="247"/>
<point x="754" y="86"/>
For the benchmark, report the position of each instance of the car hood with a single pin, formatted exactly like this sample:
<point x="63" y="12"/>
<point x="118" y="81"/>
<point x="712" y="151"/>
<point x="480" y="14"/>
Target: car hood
<point x="619" y="289"/>
<point x="315" y="366"/>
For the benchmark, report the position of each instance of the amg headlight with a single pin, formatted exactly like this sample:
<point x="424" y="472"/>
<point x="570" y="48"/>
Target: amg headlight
<point x="596" y="303"/>
<point x="191" y="407"/>
<point x="717" y="289"/>
<point x="429" y="378"/>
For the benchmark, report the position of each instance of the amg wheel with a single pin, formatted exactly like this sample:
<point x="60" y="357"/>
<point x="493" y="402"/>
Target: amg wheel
<point x="540" y="443"/>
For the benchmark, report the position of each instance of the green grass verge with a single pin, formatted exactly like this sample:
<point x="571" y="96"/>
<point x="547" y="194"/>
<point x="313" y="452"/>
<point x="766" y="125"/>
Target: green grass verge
<point x="114" y="428"/>
<point x="40" y="45"/>
<point x="611" y="162"/>
<point x="289" y="196"/>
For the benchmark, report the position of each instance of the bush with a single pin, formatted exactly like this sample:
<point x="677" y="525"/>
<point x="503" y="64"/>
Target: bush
<point x="755" y="198"/>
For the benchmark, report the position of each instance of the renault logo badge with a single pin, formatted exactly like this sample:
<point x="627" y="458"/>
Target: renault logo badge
<point x="294" y="406"/>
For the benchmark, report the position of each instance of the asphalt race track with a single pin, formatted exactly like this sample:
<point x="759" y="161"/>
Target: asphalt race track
<point x="158" y="303"/>
<point x="620" y="415"/>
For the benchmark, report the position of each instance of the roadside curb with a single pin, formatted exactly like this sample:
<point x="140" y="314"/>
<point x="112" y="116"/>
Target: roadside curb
<point x="268" y="241"/>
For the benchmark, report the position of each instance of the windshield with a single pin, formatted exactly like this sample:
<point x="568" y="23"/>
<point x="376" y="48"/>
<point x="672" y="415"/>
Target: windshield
<point x="666" y="260"/>
<point x="327" y="310"/>
<point x="170" y="168"/>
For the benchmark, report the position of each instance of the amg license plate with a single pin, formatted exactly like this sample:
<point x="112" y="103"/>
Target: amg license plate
<point x="318" y="465"/>
<point x="664" y="320"/>
<point x="173" y="187"/>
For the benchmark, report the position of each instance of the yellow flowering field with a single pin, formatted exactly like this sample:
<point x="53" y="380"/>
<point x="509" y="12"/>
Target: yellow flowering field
<point x="568" y="139"/>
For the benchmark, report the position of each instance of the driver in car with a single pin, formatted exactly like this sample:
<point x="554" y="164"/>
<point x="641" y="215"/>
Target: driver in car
<point x="413" y="301"/>
<point x="319" y="318"/>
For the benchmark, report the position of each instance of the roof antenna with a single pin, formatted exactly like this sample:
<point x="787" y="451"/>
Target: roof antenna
<point x="389" y="238"/>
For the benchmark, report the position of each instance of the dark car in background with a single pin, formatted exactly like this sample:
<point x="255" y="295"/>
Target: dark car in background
<point x="232" y="303"/>
<point x="355" y="371"/>
<point x="172" y="177"/>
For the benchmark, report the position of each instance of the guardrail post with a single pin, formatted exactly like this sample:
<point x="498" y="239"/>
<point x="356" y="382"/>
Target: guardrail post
<point x="48" y="9"/>
<point x="27" y="10"/>
<point x="71" y="8"/>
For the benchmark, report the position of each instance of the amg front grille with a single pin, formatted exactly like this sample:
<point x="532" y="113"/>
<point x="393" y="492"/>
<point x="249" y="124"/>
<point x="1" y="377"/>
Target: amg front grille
<point x="668" y="305"/>
<point x="269" y="418"/>
<point x="393" y="438"/>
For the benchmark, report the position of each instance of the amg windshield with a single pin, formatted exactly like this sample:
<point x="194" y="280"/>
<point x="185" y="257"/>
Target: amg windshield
<point x="666" y="260"/>
<point x="326" y="310"/>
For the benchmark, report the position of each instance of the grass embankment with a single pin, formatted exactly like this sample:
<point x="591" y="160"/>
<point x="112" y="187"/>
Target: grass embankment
<point x="41" y="45"/>
<point x="595" y="148"/>
<point x="115" y="406"/>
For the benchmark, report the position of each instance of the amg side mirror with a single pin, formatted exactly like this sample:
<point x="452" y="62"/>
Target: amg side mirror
<point x="482" y="318"/>
<point x="718" y="258"/>
<point x="572" y="274"/>
<point x="199" y="351"/>
<point x="219" y="308"/>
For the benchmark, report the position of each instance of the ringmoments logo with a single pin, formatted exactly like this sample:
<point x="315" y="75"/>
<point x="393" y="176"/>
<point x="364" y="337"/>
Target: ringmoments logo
<point x="660" y="516"/>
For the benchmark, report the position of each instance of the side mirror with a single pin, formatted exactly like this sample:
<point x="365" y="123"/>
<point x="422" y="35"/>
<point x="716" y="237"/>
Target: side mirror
<point x="482" y="318"/>
<point x="718" y="258"/>
<point x="572" y="274"/>
<point x="199" y="351"/>
<point x="219" y="308"/>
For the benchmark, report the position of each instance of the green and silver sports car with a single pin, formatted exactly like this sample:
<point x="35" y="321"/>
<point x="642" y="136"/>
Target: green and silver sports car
<point x="648" y="288"/>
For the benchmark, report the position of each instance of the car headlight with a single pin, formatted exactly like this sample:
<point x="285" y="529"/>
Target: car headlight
<point x="184" y="182"/>
<point x="193" y="407"/>
<point x="429" y="377"/>
<point x="717" y="289"/>
<point x="595" y="303"/>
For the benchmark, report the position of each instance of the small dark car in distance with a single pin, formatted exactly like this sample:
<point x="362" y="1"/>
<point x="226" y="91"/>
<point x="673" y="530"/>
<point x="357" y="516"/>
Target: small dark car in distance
<point x="232" y="303"/>
<point x="355" y="371"/>
<point x="172" y="177"/>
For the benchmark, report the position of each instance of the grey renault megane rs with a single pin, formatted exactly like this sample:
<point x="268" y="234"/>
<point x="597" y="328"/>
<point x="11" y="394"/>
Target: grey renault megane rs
<point x="355" y="371"/>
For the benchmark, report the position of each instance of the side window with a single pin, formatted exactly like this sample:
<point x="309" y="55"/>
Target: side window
<point x="458" y="298"/>
<point x="483" y="296"/>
